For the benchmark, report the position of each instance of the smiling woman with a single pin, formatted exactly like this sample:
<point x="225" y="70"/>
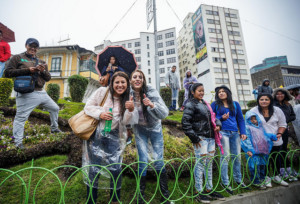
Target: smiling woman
<point x="107" y="144"/>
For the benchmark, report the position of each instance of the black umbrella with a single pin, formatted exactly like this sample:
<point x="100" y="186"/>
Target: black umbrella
<point x="125" y="59"/>
<point x="293" y="86"/>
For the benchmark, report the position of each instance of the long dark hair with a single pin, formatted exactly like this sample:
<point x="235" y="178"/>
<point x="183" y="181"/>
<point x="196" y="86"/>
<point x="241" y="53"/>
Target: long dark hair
<point x="220" y="103"/>
<point x="193" y="89"/>
<point x="116" y="61"/>
<point x="271" y="106"/>
<point x="142" y="92"/>
<point x="125" y="95"/>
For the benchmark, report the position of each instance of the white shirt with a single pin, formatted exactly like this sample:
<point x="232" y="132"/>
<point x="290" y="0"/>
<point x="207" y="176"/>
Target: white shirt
<point x="276" y="121"/>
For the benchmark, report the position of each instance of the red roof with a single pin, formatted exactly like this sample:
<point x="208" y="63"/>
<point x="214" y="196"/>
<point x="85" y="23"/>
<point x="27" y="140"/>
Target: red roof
<point x="8" y="34"/>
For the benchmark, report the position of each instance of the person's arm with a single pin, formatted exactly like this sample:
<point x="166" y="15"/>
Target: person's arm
<point x="120" y="69"/>
<point x="160" y="110"/>
<point x="259" y="90"/>
<point x="246" y="144"/>
<point x="12" y="68"/>
<point x="186" y="122"/>
<point x="92" y="106"/>
<point x="104" y="71"/>
<point x="167" y="80"/>
<point x="45" y="74"/>
<point x="240" y="119"/>
<point x="218" y="123"/>
<point x="282" y="125"/>
<point x="292" y="115"/>
<point x="7" y="52"/>
<point x="213" y="107"/>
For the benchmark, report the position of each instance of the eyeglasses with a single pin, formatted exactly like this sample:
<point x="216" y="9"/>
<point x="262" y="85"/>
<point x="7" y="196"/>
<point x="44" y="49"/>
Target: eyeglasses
<point x="34" y="46"/>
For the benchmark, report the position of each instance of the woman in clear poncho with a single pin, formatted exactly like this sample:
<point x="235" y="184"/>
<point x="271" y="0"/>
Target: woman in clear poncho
<point x="151" y="109"/>
<point x="258" y="146"/>
<point x="106" y="148"/>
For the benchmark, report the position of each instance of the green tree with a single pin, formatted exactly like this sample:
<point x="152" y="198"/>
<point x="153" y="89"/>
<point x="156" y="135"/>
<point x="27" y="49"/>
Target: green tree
<point x="53" y="91"/>
<point x="6" y="86"/>
<point x="78" y="85"/>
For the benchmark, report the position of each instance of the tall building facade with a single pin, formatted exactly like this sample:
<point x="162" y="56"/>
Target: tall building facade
<point x="220" y="53"/>
<point x="269" y="62"/>
<point x="144" y="51"/>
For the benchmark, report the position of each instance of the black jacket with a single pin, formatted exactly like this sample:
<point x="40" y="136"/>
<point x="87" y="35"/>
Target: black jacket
<point x="288" y="111"/>
<point x="196" y="121"/>
<point x="265" y="88"/>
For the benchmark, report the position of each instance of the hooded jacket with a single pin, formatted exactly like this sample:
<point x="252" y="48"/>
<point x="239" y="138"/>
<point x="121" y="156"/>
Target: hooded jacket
<point x="187" y="81"/>
<point x="287" y="109"/>
<point x="172" y="80"/>
<point x="265" y="88"/>
<point x="258" y="141"/>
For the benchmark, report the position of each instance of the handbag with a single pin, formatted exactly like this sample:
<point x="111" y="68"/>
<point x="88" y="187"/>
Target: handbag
<point x="104" y="80"/>
<point x="25" y="84"/>
<point x="84" y="125"/>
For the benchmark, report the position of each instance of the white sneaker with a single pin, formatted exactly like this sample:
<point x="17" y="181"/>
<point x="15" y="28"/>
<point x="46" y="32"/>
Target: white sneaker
<point x="268" y="182"/>
<point x="292" y="178"/>
<point x="279" y="180"/>
<point x="262" y="187"/>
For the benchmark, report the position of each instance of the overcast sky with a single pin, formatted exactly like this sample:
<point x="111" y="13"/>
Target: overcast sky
<point x="88" y="22"/>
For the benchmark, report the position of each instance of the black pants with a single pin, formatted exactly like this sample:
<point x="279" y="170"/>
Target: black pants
<point x="276" y="158"/>
<point x="285" y="139"/>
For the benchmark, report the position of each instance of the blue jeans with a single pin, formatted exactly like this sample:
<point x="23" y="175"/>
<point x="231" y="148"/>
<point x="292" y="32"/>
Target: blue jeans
<point x="142" y="135"/>
<point x="231" y="143"/>
<point x="260" y="174"/>
<point x="2" y="67"/>
<point x="174" y="94"/>
<point x="203" y="164"/>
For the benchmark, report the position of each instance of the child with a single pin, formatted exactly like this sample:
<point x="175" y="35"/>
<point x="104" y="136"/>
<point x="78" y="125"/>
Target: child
<point x="257" y="146"/>
<point x="201" y="126"/>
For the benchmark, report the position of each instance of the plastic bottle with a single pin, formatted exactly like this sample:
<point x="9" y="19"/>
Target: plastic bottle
<point x="108" y="123"/>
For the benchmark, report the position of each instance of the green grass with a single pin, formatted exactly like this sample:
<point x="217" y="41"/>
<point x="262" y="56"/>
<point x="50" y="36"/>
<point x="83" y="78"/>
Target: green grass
<point x="177" y="116"/>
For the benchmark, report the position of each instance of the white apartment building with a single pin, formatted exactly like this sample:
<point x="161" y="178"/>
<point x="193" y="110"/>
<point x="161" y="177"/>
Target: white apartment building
<point x="143" y="49"/>
<point x="222" y="57"/>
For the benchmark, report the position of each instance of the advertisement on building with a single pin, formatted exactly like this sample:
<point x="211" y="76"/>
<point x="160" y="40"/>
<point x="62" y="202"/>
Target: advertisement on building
<point x="199" y="36"/>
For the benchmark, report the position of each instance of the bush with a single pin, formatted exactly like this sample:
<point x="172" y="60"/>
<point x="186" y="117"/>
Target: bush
<point x="181" y="97"/>
<point x="166" y="95"/>
<point x="6" y="86"/>
<point x="78" y="85"/>
<point x="252" y="103"/>
<point x="53" y="91"/>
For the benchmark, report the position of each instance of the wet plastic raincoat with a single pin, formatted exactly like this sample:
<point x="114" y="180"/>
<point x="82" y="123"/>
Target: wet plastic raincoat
<point x="104" y="149"/>
<point x="187" y="82"/>
<point x="258" y="141"/>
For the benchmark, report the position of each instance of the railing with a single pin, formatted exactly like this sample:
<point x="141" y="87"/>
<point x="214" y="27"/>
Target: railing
<point x="185" y="165"/>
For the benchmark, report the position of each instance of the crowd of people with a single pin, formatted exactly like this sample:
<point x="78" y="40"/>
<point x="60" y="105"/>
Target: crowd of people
<point x="135" y="107"/>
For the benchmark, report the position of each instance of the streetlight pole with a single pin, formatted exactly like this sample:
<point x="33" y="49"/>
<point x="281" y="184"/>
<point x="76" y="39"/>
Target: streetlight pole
<point x="157" y="76"/>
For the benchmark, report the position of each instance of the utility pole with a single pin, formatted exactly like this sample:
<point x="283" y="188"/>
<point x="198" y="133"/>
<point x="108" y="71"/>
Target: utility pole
<point x="157" y="76"/>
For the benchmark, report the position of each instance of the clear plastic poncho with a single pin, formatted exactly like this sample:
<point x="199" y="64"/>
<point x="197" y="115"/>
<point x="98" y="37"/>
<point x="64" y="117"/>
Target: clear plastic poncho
<point x="148" y="130"/>
<point x="296" y="123"/>
<point x="258" y="141"/>
<point x="104" y="151"/>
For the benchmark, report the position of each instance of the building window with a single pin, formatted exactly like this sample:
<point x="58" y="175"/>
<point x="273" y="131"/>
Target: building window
<point x="235" y="51"/>
<point x="56" y="64"/>
<point x="222" y="81"/>
<point x="148" y="54"/>
<point x="170" y="51"/>
<point x="235" y="33"/>
<point x="171" y="60"/>
<point x="162" y="70"/>
<point x="231" y="15"/>
<point x="218" y="59"/>
<point x="129" y="45"/>
<point x="233" y="24"/>
<point x="149" y="71"/>
<point x="148" y="62"/>
<point x="138" y="51"/>
<point x="137" y="44"/>
<point x="160" y="53"/>
<point x="169" y="35"/>
<point x="216" y="49"/>
<point x="159" y="37"/>
<point x="210" y="12"/>
<point x="149" y="80"/>
<point x="238" y="61"/>
<point x="213" y="30"/>
<point x="138" y="59"/>
<point x="235" y="42"/>
<point x="216" y="40"/>
<point x="147" y="38"/>
<point x="244" y="92"/>
<point x="242" y="81"/>
<point x="220" y="70"/>
<point x="240" y="71"/>
<point x="170" y="43"/>
<point x="160" y="45"/>
<point x="161" y="61"/>
<point x="148" y="46"/>
<point x="212" y="21"/>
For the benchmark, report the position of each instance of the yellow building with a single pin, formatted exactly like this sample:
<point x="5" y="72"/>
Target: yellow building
<point x="67" y="60"/>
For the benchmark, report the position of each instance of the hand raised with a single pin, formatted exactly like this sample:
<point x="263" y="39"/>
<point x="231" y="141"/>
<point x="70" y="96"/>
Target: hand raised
<point x="147" y="102"/>
<point x="225" y="116"/>
<point x="130" y="104"/>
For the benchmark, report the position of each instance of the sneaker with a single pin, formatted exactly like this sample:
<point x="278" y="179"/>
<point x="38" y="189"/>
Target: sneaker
<point x="292" y="178"/>
<point x="243" y="186"/>
<point x="203" y="198"/>
<point x="262" y="186"/>
<point x="56" y="131"/>
<point x="215" y="195"/>
<point x="227" y="188"/>
<point x="268" y="182"/>
<point x="279" y="180"/>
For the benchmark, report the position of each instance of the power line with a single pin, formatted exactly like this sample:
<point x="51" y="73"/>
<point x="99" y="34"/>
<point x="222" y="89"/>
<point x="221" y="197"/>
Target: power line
<point x="120" y="20"/>
<point x="174" y="12"/>
<point x="272" y="31"/>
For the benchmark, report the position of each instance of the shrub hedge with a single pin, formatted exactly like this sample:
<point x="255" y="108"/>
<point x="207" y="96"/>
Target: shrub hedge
<point x="53" y="91"/>
<point x="78" y="85"/>
<point x="6" y="86"/>
<point x="166" y="95"/>
<point x="181" y="97"/>
<point x="251" y="104"/>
